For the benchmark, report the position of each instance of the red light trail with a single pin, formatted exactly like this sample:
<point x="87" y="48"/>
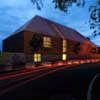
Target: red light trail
<point x="35" y="73"/>
<point x="32" y="70"/>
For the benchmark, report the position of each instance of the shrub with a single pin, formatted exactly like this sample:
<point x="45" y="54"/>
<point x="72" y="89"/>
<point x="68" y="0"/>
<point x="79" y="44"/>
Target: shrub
<point x="5" y="59"/>
<point x="18" y="60"/>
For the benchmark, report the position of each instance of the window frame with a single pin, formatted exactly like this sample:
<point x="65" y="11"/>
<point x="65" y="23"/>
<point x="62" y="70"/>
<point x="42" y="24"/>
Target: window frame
<point x="47" y="42"/>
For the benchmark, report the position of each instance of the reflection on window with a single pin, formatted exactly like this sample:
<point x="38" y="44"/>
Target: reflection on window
<point x="64" y="45"/>
<point x="37" y="57"/>
<point x="64" y="57"/>
<point x="47" y="42"/>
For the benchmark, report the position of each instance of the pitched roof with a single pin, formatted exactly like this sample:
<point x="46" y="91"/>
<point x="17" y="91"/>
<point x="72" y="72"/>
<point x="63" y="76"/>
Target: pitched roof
<point x="45" y="26"/>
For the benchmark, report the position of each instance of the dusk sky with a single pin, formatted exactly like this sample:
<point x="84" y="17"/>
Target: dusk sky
<point x="15" y="13"/>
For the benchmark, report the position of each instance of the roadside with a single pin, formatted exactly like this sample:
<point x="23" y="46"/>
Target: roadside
<point x="72" y="82"/>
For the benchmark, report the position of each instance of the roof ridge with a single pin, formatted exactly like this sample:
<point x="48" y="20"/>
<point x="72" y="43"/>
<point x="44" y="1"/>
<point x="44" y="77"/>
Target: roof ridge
<point x="60" y="25"/>
<point x="38" y="23"/>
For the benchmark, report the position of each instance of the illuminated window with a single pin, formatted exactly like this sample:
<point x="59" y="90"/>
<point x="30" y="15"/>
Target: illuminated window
<point x="64" y="45"/>
<point x="37" y="57"/>
<point x="64" y="57"/>
<point x="47" y="42"/>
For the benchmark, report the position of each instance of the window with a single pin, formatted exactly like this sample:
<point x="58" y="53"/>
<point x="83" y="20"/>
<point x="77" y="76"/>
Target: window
<point x="37" y="57"/>
<point x="64" y="57"/>
<point x="47" y="42"/>
<point x="93" y="50"/>
<point x="64" y="45"/>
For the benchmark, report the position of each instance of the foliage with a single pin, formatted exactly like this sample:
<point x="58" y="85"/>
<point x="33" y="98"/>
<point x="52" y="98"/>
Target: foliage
<point x="63" y="5"/>
<point x="38" y="3"/>
<point x="5" y="58"/>
<point x="2" y="61"/>
<point x="60" y="4"/>
<point x="18" y="59"/>
<point x="95" y="19"/>
<point x="36" y="42"/>
<point x="0" y="52"/>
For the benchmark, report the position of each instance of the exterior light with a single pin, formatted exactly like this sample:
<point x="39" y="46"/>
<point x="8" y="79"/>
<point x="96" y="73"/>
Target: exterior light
<point x="64" y="57"/>
<point x="69" y="62"/>
<point x="76" y="62"/>
<point x="37" y="57"/>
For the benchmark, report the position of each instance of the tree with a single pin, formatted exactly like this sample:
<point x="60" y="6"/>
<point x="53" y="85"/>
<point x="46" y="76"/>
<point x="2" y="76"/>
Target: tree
<point x="63" y="5"/>
<point x="60" y="4"/>
<point x="95" y="18"/>
<point x="0" y="52"/>
<point x="36" y="42"/>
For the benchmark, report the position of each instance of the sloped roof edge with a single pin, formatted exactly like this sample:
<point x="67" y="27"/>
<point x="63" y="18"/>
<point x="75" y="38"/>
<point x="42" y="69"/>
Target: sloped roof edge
<point x="62" y="29"/>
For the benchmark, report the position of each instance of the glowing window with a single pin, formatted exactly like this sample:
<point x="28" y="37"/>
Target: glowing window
<point x="47" y="42"/>
<point x="64" y="45"/>
<point x="37" y="57"/>
<point x="64" y="57"/>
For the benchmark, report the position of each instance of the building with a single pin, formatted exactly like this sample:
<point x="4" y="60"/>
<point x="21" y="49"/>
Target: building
<point x="55" y="41"/>
<point x="99" y="50"/>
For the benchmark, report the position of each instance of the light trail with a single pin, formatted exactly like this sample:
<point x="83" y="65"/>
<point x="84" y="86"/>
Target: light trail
<point x="27" y="80"/>
<point x="57" y="64"/>
<point x="21" y="73"/>
<point x="38" y="73"/>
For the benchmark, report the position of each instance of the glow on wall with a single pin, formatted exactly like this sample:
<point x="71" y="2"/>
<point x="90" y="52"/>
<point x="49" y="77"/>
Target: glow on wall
<point x="64" y="46"/>
<point x="64" y="57"/>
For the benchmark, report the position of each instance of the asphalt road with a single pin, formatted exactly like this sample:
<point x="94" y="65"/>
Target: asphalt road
<point x="64" y="84"/>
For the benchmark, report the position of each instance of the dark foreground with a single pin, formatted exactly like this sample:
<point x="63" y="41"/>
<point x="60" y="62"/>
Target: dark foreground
<point x="67" y="84"/>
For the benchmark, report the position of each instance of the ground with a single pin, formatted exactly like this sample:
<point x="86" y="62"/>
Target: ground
<point x="61" y="85"/>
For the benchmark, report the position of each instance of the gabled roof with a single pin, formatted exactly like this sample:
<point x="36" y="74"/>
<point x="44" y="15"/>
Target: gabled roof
<point x="45" y="26"/>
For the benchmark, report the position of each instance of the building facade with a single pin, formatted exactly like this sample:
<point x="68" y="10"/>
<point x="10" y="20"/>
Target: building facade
<point x="51" y="41"/>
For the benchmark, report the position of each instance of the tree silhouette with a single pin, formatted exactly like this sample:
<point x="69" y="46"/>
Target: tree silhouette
<point x="36" y="42"/>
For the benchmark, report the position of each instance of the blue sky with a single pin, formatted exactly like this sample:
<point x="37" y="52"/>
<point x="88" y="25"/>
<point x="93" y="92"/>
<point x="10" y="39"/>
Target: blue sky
<point x="14" y="13"/>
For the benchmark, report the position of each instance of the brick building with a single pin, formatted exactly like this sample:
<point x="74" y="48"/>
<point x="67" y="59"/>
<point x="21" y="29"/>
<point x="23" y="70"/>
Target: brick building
<point x="58" y="42"/>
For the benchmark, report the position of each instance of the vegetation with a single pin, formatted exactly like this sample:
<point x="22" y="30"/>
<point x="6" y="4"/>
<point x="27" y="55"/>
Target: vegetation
<point x="2" y="61"/>
<point x="36" y="42"/>
<point x="0" y="52"/>
<point x="63" y="5"/>
<point x="11" y="59"/>
<point x="5" y="59"/>
<point x="20" y="62"/>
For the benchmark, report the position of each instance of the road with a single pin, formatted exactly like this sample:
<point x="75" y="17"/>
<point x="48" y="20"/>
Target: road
<point x="56" y="84"/>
